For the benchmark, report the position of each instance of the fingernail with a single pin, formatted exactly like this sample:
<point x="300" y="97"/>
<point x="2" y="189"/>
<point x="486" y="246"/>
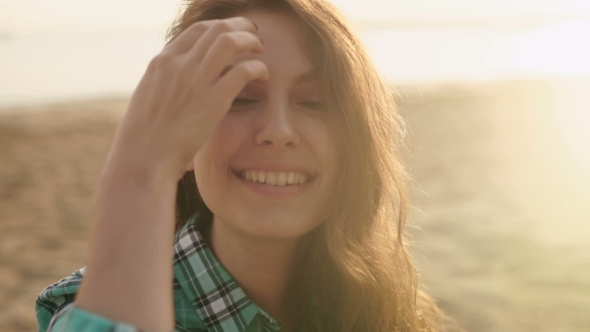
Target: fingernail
<point x="255" y="25"/>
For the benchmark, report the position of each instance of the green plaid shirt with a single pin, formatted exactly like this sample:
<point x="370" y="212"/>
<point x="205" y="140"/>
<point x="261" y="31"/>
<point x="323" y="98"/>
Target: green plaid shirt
<point x="206" y="297"/>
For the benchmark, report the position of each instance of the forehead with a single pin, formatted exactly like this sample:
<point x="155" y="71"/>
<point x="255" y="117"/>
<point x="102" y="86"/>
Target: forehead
<point x="283" y="34"/>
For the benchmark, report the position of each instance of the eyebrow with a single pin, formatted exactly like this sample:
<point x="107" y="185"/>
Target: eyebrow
<point x="308" y="76"/>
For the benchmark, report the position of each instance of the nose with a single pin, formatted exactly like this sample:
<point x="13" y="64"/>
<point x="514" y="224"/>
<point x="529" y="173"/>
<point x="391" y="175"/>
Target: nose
<point x="276" y="127"/>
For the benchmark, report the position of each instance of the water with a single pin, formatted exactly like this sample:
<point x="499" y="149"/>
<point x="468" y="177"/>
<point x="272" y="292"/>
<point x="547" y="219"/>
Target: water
<point x="502" y="176"/>
<point x="40" y="69"/>
<point x="482" y="54"/>
<point x="501" y="199"/>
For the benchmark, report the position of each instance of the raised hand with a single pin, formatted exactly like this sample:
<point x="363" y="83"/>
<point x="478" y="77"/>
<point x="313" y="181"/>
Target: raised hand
<point x="185" y="92"/>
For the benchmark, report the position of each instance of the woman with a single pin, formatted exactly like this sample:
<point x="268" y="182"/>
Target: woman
<point x="263" y="130"/>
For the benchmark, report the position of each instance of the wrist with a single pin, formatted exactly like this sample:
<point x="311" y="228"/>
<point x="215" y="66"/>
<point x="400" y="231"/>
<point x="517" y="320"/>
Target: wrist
<point x="136" y="168"/>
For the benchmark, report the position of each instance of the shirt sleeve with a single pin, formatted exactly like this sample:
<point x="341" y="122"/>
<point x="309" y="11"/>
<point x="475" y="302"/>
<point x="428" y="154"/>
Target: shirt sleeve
<point x="57" y="312"/>
<point x="73" y="319"/>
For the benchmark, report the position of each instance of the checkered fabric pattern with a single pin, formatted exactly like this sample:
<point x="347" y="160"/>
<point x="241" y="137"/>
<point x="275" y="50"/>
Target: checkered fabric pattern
<point x="206" y="298"/>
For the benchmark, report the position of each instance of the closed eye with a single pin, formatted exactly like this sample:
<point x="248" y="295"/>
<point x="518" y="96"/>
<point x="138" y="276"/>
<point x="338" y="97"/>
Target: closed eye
<point x="243" y="102"/>
<point x="314" y="105"/>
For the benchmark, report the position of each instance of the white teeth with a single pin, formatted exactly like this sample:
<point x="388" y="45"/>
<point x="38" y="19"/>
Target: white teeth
<point x="271" y="178"/>
<point x="261" y="177"/>
<point x="282" y="179"/>
<point x="300" y="179"/>
<point x="275" y="178"/>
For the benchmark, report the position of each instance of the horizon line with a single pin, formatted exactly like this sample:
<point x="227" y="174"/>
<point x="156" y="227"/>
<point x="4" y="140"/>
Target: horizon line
<point x="363" y="23"/>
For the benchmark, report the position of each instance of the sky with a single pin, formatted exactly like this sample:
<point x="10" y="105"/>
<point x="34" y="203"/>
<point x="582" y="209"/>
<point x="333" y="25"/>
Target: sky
<point x="409" y="55"/>
<point x="76" y="16"/>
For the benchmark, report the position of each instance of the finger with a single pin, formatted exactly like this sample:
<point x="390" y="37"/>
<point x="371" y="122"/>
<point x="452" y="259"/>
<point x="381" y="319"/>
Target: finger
<point x="224" y="49"/>
<point x="203" y="44"/>
<point x="235" y="79"/>
<point x="183" y="42"/>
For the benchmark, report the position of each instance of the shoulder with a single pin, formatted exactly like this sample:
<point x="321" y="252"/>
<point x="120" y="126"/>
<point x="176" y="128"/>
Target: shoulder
<point x="62" y="289"/>
<point x="56" y="297"/>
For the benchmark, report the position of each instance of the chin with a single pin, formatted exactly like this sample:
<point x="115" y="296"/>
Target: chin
<point x="277" y="224"/>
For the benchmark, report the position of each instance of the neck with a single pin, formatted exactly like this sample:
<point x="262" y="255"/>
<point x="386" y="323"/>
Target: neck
<point x="261" y="267"/>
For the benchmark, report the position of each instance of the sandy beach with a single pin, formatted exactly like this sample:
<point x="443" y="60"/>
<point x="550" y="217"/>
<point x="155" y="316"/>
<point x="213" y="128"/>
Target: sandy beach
<point x="499" y="225"/>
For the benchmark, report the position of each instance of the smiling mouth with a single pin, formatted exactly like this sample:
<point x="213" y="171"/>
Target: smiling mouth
<point x="279" y="179"/>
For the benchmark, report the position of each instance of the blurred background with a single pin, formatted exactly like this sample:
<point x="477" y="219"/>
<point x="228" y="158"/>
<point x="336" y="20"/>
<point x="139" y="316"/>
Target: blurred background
<point x="496" y="95"/>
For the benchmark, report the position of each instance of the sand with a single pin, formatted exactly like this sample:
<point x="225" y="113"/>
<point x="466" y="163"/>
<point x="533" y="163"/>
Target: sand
<point x="50" y="160"/>
<point x="499" y="249"/>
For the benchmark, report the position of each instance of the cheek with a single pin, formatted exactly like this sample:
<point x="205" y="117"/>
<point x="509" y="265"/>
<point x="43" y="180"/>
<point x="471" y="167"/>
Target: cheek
<point x="330" y="158"/>
<point x="214" y="158"/>
<point x="203" y="175"/>
<point x="322" y="143"/>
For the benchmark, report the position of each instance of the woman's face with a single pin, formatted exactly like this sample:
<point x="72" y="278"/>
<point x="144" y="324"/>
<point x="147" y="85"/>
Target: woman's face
<point x="267" y="171"/>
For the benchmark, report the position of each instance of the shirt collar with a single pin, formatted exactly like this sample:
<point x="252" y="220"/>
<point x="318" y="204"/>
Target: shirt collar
<point x="219" y="301"/>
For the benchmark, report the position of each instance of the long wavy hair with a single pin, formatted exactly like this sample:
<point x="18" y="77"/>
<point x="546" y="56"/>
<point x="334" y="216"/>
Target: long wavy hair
<point x="356" y="263"/>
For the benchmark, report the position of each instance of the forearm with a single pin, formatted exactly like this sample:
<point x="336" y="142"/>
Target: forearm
<point x="183" y="96"/>
<point x="129" y="273"/>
